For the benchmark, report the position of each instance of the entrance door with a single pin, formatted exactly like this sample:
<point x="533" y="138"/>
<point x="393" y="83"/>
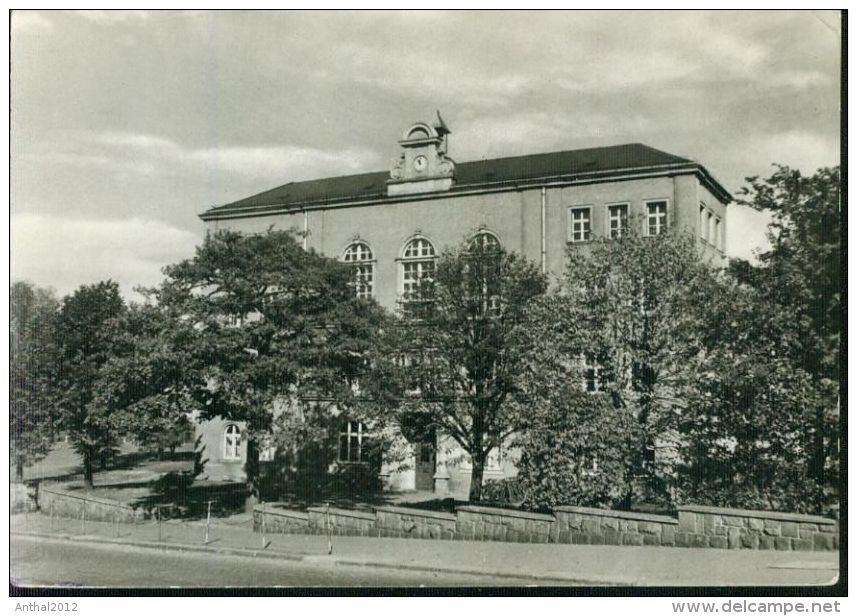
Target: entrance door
<point x="425" y="462"/>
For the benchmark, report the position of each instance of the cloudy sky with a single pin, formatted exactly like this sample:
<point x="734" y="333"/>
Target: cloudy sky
<point x="126" y="125"/>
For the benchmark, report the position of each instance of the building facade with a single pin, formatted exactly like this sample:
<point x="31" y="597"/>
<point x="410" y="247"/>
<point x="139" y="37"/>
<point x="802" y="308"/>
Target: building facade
<point x="391" y="225"/>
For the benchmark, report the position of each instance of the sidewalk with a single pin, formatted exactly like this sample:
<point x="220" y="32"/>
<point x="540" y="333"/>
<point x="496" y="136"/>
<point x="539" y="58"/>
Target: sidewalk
<point x="544" y="564"/>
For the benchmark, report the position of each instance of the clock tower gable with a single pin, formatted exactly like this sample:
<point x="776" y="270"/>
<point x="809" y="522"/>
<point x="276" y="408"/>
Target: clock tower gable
<point x="423" y="165"/>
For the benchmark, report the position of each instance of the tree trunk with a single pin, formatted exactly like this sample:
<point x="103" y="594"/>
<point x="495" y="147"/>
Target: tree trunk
<point x="19" y="468"/>
<point x="87" y="469"/>
<point x="817" y="459"/>
<point x="476" y="479"/>
<point x="251" y="470"/>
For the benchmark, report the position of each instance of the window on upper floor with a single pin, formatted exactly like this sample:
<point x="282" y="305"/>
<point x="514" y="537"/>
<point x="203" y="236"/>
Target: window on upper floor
<point x="593" y="375"/>
<point x="718" y="235"/>
<point x="486" y="246"/>
<point x="580" y="224"/>
<point x="617" y="219"/>
<point x="359" y="256"/>
<point x="418" y="260"/>
<point x="485" y="240"/>
<point x="711" y="235"/>
<point x="656" y="217"/>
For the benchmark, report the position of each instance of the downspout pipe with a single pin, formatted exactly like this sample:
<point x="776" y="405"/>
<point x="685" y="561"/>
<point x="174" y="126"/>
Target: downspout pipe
<point x="544" y="231"/>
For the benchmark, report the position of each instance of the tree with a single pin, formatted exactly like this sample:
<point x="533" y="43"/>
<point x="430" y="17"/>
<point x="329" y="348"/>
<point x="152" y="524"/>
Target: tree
<point x="453" y="362"/>
<point x="85" y="334"/>
<point x="151" y="376"/>
<point x="625" y="327"/>
<point x="32" y="353"/>
<point x="799" y="283"/>
<point x="747" y="429"/>
<point x="273" y="326"/>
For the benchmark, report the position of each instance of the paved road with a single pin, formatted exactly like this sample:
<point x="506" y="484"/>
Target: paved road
<point x="41" y="561"/>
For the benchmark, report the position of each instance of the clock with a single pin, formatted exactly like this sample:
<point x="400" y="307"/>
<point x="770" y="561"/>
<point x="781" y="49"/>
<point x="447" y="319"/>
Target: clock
<point x="420" y="163"/>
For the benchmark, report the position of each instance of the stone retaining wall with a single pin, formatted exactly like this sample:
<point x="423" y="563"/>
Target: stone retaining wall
<point x="341" y="521"/>
<point x="414" y="523"/>
<point x="735" y="529"/>
<point x="695" y="526"/>
<point x="491" y="524"/>
<point x="279" y="520"/>
<point x="589" y="526"/>
<point x="60" y="503"/>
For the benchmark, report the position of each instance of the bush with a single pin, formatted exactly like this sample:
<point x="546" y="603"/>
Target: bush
<point x="576" y="450"/>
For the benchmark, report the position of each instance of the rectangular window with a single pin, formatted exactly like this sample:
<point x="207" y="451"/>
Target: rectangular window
<point x="618" y="220"/>
<point x="581" y="226"/>
<point x="718" y="239"/>
<point x="352" y="442"/>
<point x="592" y="377"/>
<point x="710" y="234"/>
<point x="656" y="217"/>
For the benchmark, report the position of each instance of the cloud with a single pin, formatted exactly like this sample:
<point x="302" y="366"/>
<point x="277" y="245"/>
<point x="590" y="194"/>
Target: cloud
<point x="143" y="154"/>
<point x="24" y="22"/>
<point x="66" y="252"/>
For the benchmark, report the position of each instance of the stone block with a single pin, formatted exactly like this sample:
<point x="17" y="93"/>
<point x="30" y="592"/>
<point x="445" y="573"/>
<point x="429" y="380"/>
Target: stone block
<point x="575" y="522"/>
<point x="723" y="531"/>
<point x="591" y="526"/>
<point x="540" y="537"/>
<point x="772" y="531"/>
<point x="628" y="526"/>
<point x="756" y="524"/>
<point x="684" y="540"/>
<point x="564" y="536"/>
<point x="651" y="539"/>
<point x="789" y="529"/>
<point x="610" y="523"/>
<point x="783" y="543"/>
<point x="580" y="538"/>
<point x="731" y="520"/>
<point x="612" y="537"/>
<point x="823" y="541"/>
<point x="804" y="545"/>
<point x="766" y="542"/>
<point x="701" y="541"/>
<point x="710" y="522"/>
<point x="632" y="539"/>
<point x="808" y="530"/>
<point x="687" y="521"/>
<point x="718" y="541"/>
<point x="668" y="535"/>
<point x="773" y="525"/>
<point x="734" y="537"/>
<point x="596" y="539"/>
<point x="650" y="528"/>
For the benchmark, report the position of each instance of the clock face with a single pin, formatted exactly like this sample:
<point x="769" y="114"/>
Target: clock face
<point x="420" y="163"/>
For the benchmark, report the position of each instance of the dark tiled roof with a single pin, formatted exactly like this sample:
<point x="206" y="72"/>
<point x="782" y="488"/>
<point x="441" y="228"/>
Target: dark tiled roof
<point x="468" y="175"/>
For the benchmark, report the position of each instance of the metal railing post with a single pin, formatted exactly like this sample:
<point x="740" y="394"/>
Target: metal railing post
<point x="329" y="530"/>
<point x="208" y="523"/>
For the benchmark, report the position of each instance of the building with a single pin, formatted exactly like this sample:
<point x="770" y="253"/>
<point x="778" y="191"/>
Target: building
<point x="390" y="225"/>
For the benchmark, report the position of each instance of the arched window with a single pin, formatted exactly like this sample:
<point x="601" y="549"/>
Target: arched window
<point x="417" y="266"/>
<point x="484" y="240"/>
<point x="232" y="442"/>
<point x="484" y="250"/>
<point x="359" y="256"/>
